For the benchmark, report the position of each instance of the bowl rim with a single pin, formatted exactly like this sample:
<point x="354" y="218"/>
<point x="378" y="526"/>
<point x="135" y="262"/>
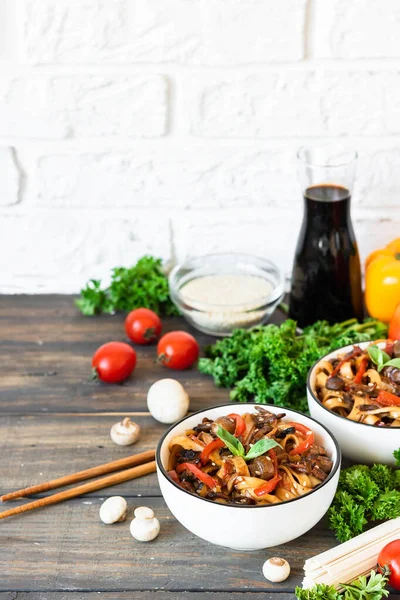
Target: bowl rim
<point x="261" y="302"/>
<point x="318" y="401"/>
<point x="335" y="466"/>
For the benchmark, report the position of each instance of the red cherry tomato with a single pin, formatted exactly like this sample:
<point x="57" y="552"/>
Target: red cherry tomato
<point x="114" y="362"/>
<point x="177" y="350"/>
<point x="390" y="556"/>
<point x="142" y="326"/>
<point x="394" y="327"/>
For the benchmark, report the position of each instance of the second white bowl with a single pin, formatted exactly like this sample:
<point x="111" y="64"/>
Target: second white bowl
<point x="358" y="441"/>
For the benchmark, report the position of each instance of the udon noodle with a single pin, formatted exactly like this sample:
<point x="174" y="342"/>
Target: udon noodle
<point x="351" y="386"/>
<point x="202" y="464"/>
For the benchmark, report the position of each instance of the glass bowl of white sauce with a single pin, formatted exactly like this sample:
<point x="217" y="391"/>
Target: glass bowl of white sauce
<point x="218" y="293"/>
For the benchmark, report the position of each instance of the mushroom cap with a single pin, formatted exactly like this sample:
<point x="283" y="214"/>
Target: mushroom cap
<point x="167" y="400"/>
<point x="143" y="513"/>
<point x="276" y="569"/>
<point x="113" y="510"/>
<point x="125" y="433"/>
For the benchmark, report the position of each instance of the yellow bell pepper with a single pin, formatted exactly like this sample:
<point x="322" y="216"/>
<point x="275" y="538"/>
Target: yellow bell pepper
<point x="382" y="281"/>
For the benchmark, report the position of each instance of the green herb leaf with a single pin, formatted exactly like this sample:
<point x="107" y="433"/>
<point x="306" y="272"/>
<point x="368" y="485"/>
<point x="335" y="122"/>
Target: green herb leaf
<point x="270" y="364"/>
<point x="396" y="455"/>
<point x="378" y="356"/>
<point x="387" y="506"/>
<point x="234" y="445"/>
<point x="362" y="588"/>
<point x="395" y="362"/>
<point x="93" y="299"/>
<point x="318" y="592"/>
<point x="144" y="285"/>
<point x="374" y="353"/>
<point x="261" y="447"/>
<point x="364" y="495"/>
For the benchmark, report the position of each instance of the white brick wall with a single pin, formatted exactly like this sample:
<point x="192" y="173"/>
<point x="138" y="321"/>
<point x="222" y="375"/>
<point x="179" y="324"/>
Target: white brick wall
<point x="171" y="127"/>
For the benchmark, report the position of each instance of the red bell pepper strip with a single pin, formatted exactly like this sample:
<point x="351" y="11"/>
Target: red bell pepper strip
<point x="270" y="485"/>
<point x="361" y="370"/>
<point x="240" y="424"/>
<point x="303" y="446"/>
<point x="387" y="399"/>
<point x="203" y="477"/>
<point x="356" y="352"/>
<point x="180" y="468"/>
<point x="173" y="476"/>
<point x="210" y="448"/>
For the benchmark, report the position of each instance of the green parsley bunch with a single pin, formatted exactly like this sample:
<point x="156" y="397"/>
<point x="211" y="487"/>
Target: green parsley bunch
<point x="144" y="285"/>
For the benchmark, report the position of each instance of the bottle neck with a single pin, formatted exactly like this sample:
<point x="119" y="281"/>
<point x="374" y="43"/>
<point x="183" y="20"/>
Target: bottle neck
<point x="327" y="204"/>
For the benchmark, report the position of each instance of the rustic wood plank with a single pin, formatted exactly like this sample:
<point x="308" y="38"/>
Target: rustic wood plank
<point x="147" y="595"/>
<point x="46" y="347"/>
<point x="66" y="547"/>
<point x="36" y="448"/>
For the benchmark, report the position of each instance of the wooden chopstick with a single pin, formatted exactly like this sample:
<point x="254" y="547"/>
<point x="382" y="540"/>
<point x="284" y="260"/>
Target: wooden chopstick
<point x="116" y="465"/>
<point x="99" y="484"/>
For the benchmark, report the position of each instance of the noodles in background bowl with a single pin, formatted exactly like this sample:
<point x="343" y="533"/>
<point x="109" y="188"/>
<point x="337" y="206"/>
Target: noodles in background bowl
<point x="351" y="386"/>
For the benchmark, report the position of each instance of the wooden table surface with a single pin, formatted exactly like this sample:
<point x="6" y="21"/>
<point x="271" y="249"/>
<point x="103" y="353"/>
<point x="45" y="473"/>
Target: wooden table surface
<point x="55" y="420"/>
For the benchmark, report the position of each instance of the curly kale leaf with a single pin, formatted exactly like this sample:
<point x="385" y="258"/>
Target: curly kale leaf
<point x="270" y="364"/>
<point x="346" y="516"/>
<point x="386" y="506"/>
<point x="364" y="495"/>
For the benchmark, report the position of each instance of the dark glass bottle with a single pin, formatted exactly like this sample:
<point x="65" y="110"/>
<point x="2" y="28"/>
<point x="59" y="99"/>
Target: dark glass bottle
<point x="326" y="277"/>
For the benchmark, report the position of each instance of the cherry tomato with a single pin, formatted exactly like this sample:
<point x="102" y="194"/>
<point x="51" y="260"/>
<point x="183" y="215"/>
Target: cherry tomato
<point x="142" y="326"/>
<point x="177" y="350"/>
<point x="394" y="327"/>
<point x="390" y="556"/>
<point x="113" y="362"/>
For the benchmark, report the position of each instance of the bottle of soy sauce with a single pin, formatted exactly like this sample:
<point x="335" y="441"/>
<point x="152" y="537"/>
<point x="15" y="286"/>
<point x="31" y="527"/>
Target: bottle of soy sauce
<point x="326" y="277"/>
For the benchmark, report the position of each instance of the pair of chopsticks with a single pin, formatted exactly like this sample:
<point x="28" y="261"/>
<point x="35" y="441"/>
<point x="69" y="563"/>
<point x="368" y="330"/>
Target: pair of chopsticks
<point x="141" y="464"/>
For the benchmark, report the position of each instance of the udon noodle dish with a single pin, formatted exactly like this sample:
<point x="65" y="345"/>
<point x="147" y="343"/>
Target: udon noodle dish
<point x="362" y="385"/>
<point x="251" y="459"/>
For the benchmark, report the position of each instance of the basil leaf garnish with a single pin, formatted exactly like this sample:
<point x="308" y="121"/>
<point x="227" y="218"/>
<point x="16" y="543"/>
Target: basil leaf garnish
<point x="395" y="362"/>
<point x="378" y="356"/>
<point x="234" y="445"/>
<point x="261" y="447"/>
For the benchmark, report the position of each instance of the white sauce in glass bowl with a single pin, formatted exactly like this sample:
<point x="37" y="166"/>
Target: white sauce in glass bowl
<point x="226" y="301"/>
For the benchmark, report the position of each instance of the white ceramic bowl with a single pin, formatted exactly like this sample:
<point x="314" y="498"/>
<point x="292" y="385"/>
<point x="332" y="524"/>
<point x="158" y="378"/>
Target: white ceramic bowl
<point x="358" y="441"/>
<point x="247" y="527"/>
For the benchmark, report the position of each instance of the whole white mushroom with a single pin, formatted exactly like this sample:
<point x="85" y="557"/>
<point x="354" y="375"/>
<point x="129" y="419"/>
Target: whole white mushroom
<point x="145" y="526"/>
<point x="113" y="510"/>
<point x="125" y="432"/>
<point x="167" y="400"/>
<point x="276" y="569"/>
